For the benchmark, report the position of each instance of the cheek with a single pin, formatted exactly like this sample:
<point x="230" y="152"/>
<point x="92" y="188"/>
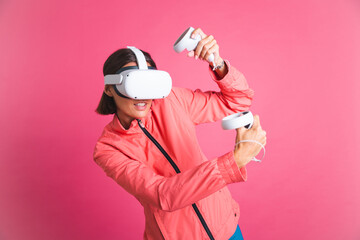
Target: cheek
<point x="122" y="103"/>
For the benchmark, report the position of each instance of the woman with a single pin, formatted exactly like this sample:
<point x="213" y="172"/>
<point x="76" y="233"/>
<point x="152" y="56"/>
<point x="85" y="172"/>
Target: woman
<point x="193" y="204"/>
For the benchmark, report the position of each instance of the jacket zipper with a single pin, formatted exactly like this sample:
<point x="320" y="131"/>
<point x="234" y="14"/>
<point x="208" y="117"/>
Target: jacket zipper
<point x="177" y="170"/>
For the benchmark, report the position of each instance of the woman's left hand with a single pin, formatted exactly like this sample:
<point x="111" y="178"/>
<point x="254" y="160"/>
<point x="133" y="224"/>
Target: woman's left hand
<point x="205" y="48"/>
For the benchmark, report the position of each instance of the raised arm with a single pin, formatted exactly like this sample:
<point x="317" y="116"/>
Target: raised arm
<point x="234" y="95"/>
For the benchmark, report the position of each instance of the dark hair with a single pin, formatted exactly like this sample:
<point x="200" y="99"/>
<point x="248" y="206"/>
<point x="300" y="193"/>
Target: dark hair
<point x="114" y="62"/>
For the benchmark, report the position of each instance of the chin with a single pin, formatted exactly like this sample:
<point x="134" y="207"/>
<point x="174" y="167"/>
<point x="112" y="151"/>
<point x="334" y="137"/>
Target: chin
<point x="142" y="114"/>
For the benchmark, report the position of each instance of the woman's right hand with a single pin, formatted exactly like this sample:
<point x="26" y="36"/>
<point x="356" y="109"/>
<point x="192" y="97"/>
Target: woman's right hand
<point x="245" y="151"/>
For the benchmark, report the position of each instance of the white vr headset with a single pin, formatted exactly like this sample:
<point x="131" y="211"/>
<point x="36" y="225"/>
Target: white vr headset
<point x="140" y="82"/>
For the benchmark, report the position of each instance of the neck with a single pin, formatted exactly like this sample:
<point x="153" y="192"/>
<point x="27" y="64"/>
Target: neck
<point x="125" y="121"/>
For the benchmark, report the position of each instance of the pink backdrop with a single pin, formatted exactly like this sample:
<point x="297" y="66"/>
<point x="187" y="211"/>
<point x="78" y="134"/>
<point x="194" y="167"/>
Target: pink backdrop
<point x="302" y="58"/>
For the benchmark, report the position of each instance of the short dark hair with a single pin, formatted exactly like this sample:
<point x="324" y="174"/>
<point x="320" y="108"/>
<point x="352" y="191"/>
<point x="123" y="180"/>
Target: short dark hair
<point x="114" y="62"/>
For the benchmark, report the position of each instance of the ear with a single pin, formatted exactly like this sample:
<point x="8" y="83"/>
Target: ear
<point x="107" y="90"/>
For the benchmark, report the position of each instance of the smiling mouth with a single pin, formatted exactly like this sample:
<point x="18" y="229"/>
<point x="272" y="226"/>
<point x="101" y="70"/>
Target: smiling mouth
<point x="140" y="104"/>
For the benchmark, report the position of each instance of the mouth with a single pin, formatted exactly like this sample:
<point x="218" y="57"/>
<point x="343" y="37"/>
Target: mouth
<point x="140" y="106"/>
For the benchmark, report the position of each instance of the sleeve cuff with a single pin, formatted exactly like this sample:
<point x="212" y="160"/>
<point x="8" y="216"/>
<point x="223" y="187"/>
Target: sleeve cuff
<point x="233" y="81"/>
<point x="215" y="77"/>
<point x="229" y="169"/>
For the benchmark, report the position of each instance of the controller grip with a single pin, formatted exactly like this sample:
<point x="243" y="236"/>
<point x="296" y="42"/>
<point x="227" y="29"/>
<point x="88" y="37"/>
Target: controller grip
<point x="186" y="42"/>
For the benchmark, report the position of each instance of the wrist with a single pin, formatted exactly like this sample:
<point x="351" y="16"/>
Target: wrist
<point x="220" y="69"/>
<point x="241" y="158"/>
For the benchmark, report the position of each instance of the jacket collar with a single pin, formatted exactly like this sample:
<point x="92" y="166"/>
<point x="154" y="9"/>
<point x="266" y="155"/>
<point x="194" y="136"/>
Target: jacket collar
<point x="134" y="127"/>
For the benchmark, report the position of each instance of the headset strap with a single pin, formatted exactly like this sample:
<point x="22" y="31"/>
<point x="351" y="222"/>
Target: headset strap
<point x="141" y="61"/>
<point x="131" y="67"/>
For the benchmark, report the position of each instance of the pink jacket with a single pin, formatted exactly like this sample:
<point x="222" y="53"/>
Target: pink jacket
<point x="137" y="165"/>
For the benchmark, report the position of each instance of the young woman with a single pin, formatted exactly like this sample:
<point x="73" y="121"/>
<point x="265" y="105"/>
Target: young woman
<point x="188" y="198"/>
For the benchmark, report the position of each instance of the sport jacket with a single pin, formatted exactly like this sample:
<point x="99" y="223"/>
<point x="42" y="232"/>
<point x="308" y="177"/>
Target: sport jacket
<point x="136" y="164"/>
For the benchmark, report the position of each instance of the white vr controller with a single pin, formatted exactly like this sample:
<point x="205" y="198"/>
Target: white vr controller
<point x="237" y="120"/>
<point x="241" y="119"/>
<point x="186" y="42"/>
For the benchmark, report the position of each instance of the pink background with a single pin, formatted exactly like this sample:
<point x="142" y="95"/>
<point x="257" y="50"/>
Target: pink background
<point x="302" y="58"/>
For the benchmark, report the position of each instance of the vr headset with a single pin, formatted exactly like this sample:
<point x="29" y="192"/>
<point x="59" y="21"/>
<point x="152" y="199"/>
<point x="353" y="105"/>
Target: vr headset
<point x="141" y="81"/>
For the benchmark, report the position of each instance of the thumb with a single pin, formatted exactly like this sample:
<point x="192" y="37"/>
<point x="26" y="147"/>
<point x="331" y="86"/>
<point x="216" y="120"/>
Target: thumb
<point x="191" y="54"/>
<point x="198" y="31"/>
<point x="240" y="131"/>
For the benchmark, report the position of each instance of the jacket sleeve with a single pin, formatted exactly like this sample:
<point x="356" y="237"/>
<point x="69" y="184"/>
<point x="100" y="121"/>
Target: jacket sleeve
<point x="234" y="96"/>
<point x="169" y="193"/>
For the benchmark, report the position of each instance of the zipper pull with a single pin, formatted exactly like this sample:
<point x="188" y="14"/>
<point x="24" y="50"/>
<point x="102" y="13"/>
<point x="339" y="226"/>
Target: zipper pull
<point x="140" y="123"/>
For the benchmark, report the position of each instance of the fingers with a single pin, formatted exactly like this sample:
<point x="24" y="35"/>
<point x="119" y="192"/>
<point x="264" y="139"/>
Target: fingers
<point x="249" y="148"/>
<point x="198" y="31"/>
<point x="240" y="130"/>
<point x="257" y="127"/>
<point x="263" y="137"/>
<point x="206" y="46"/>
<point x="214" y="49"/>
<point x="256" y="123"/>
<point x="239" y="134"/>
<point x="203" y="46"/>
<point x="191" y="54"/>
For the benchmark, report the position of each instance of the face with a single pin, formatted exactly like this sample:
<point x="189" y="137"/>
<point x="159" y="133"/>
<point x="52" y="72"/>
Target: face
<point x="128" y="109"/>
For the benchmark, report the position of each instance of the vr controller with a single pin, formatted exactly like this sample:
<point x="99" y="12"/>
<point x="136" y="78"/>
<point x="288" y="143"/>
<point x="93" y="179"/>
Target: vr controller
<point x="186" y="42"/>
<point x="237" y="120"/>
<point x="242" y="119"/>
